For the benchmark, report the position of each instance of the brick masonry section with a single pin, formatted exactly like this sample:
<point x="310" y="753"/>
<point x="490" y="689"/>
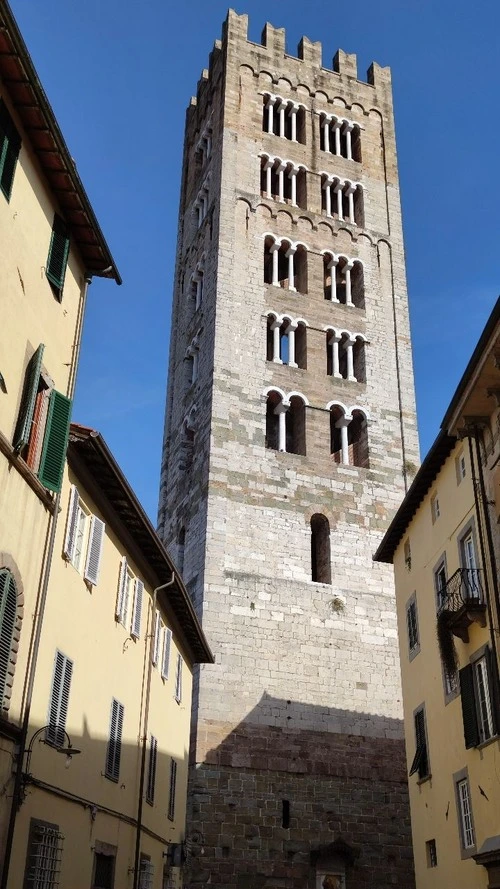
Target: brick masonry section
<point x="337" y="786"/>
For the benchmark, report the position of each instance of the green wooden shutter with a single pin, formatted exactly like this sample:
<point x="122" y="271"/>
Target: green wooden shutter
<point x="10" y="146"/>
<point x="55" y="442"/>
<point x="30" y="389"/>
<point x="58" y="254"/>
<point x="494" y="690"/>
<point x="59" y="700"/>
<point x="114" y="749"/>
<point x="8" y="611"/>
<point x="469" y="715"/>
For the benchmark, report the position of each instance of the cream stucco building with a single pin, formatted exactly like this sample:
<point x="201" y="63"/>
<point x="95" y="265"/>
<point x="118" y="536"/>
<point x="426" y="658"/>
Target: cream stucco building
<point x="444" y="543"/>
<point x="113" y="680"/>
<point x="51" y="246"/>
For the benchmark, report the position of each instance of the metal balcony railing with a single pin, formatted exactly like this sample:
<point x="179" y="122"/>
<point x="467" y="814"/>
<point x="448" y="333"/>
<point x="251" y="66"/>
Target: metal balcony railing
<point x="463" y="590"/>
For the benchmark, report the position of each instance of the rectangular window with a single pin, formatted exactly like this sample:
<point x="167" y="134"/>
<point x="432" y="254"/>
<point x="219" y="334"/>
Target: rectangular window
<point x="146" y="873"/>
<point x="104" y="870"/>
<point x="465" y="814"/>
<point x="461" y="467"/>
<point x="412" y="627"/>
<point x="10" y="146"/>
<point x="137" y="613"/>
<point x="42" y="428"/>
<point x="165" y="660"/>
<point x="472" y="579"/>
<point x="43" y="858"/>
<point x="84" y="538"/>
<point x="153" y="754"/>
<point x="57" y="259"/>
<point x="420" y="762"/>
<point x="407" y="554"/>
<point x="122" y="599"/>
<point x="476" y="687"/>
<point x="450" y="682"/>
<point x="435" y="508"/>
<point x="81" y="530"/>
<point x="431" y="853"/>
<point x="59" y="700"/>
<point x="171" y="796"/>
<point x="440" y="581"/>
<point x="156" y="638"/>
<point x="178" y="680"/>
<point x="114" y="748"/>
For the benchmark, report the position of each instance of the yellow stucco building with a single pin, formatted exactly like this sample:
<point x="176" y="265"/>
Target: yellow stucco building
<point x="113" y="681"/>
<point x="51" y="246"/>
<point x="444" y="543"/>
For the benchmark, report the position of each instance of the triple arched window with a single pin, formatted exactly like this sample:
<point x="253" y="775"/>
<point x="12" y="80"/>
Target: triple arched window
<point x="287" y="340"/>
<point x="8" y="618"/>
<point x="285" y="263"/>
<point x="343" y="280"/>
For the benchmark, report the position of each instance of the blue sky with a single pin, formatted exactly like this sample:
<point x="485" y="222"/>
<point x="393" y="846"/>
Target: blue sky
<point x="119" y="76"/>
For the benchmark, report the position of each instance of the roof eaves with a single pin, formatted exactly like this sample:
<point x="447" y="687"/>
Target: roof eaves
<point x="438" y="453"/>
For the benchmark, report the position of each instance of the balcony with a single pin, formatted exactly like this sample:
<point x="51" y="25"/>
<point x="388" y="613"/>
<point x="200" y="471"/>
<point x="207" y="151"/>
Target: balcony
<point x="463" y="601"/>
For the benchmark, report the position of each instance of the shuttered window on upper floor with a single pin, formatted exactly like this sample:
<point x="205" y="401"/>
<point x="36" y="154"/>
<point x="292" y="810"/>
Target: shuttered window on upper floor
<point x="114" y="748"/>
<point x="171" y="795"/>
<point x="42" y="428"/>
<point x="57" y="259"/>
<point x="59" y="700"/>
<point x="84" y="538"/>
<point x="8" y="612"/>
<point x="10" y="146"/>
<point x="153" y="755"/>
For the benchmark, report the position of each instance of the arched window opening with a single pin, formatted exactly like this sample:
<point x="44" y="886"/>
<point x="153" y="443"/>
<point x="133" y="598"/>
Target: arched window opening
<point x="296" y="426"/>
<point x="285" y="265"/>
<point x="358" y="440"/>
<point x="301" y="346"/>
<point x="181" y="542"/>
<point x="341" y="276"/>
<point x="271" y="323"/>
<point x="359" y="361"/>
<point x="329" y="353"/>
<point x="282" y="117"/>
<point x="358" y="285"/>
<point x="321" y="571"/>
<point x="300" y="267"/>
<point x="359" y="213"/>
<point x="8" y="614"/>
<point x="273" y="405"/>
<point x="340" y="137"/>
<point x="356" y="144"/>
<point x="337" y="422"/>
<point x="343" y="355"/>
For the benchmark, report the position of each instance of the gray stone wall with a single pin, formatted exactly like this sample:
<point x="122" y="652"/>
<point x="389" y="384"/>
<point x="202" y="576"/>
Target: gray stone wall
<point x="290" y="654"/>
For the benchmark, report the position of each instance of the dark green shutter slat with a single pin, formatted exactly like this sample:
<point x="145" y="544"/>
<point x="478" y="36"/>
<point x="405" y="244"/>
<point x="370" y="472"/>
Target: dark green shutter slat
<point x="55" y="442"/>
<point x="10" y="146"/>
<point x="58" y="253"/>
<point x="8" y="610"/>
<point x="31" y="380"/>
<point x="469" y="715"/>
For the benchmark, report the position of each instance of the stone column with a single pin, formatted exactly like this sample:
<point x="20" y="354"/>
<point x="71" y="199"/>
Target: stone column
<point x="275" y="250"/>
<point x="337" y="126"/>
<point x="275" y="327"/>
<point x="342" y="424"/>
<point x="281" y="182"/>
<point x="328" y="197"/>
<point x="348" y="289"/>
<point x="338" y="192"/>
<point x="290" y="253"/>
<point x="293" y="119"/>
<point x="293" y="183"/>
<point x="270" y="113"/>
<point x="281" y="111"/>
<point x="350" y="194"/>
<point x="326" y="134"/>
<point x="290" y="331"/>
<point x="348" y="346"/>
<point x="348" y="139"/>
<point x="281" y="410"/>
<point x="268" y="168"/>
<point x="332" y="265"/>
<point x="334" y="343"/>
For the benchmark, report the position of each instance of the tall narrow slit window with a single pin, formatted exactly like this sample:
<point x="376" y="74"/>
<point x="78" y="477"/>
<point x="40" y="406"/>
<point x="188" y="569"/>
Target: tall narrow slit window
<point x="114" y="747"/>
<point x="153" y="755"/>
<point x="171" y="795"/>
<point x="59" y="700"/>
<point x="321" y="571"/>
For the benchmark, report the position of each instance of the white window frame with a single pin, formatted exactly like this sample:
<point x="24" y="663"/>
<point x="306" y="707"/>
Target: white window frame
<point x="156" y="638"/>
<point x="483" y="699"/>
<point x="178" y="679"/>
<point x="435" y="508"/>
<point x="135" y="629"/>
<point x="465" y="814"/>
<point x="165" y="657"/>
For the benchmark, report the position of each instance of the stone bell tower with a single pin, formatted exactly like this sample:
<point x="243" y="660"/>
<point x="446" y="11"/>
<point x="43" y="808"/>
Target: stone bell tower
<point x="290" y="434"/>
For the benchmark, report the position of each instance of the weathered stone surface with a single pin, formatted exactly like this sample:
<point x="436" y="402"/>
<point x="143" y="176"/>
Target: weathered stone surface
<point x="304" y="700"/>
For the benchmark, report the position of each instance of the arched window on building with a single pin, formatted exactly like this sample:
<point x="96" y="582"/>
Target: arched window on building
<point x="343" y="280"/>
<point x="282" y="180"/>
<point x="321" y="571"/>
<point x="285" y="263"/>
<point x="8" y="615"/>
<point x="283" y="117"/>
<point x="342" y="199"/>
<point x="340" y="137"/>
<point x="345" y="355"/>
<point x="286" y="341"/>
<point x="349" y="435"/>
<point x="286" y="422"/>
<point x="358" y="440"/>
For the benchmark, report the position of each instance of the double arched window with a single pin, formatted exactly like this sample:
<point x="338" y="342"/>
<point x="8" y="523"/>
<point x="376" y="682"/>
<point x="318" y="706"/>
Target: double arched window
<point x="287" y="340"/>
<point x="286" y="421"/>
<point x="349" y="434"/>
<point x="8" y="620"/>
